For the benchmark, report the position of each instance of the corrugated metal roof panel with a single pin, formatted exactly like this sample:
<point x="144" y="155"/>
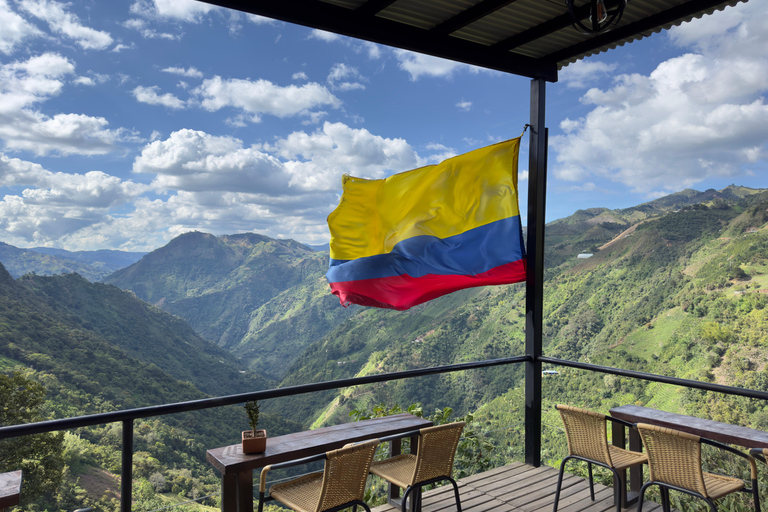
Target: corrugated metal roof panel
<point x="425" y="13"/>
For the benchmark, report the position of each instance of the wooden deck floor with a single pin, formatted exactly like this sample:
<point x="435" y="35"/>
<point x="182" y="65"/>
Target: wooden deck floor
<point x="521" y="488"/>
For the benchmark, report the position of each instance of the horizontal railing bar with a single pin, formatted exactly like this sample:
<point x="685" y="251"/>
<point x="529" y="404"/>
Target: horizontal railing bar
<point x="208" y="403"/>
<point x="706" y="386"/>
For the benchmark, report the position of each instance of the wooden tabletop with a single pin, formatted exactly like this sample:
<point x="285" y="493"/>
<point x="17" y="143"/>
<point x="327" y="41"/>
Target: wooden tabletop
<point x="10" y="489"/>
<point x="715" y="430"/>
<point x="231" y="459"/>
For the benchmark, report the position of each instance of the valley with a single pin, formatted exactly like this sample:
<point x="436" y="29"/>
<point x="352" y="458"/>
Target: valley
<point x="677" y="286"/>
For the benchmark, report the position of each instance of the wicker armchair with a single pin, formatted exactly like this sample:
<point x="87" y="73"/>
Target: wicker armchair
<point x="587" y="435"/>
<point x="433" y="462"/>
<point x="340" y="485"/>
<point x="675" y="463"/>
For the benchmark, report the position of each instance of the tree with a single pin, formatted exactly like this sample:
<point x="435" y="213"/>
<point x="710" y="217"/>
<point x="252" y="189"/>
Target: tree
<point x="39" y="456"/>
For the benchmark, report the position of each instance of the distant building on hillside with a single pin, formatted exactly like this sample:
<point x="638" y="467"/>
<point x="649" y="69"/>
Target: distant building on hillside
<point x="584" y="255"/>
<point x="751" y="230"/>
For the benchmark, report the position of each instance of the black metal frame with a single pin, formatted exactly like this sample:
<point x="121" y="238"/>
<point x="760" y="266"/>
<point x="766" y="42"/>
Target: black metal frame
<point x="619" y="483"/>
<point x="665" y="487"/>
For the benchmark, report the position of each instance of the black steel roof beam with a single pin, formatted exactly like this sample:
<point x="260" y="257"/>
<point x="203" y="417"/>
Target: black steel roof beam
<point x="641" y="27"/>
<point x="332" y="18"/>
<point x="374" y="6"/>
<point x="469" y="16"/>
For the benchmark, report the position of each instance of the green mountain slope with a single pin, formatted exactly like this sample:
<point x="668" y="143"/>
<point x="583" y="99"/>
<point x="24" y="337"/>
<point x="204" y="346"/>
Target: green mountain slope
<point x="93" y="265"/>
<point x="219" y="284"/>
<point x="676" y="259"/>
<point x="144" y="332"/>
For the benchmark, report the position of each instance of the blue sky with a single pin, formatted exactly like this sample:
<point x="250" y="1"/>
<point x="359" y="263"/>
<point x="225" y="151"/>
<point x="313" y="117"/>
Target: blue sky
<point x="126" y="123"/>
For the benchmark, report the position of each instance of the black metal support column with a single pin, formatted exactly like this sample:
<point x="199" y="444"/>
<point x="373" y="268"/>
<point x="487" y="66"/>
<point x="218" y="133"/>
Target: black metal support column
<point x="126" y="473"/>
<point x="534" y="289"/>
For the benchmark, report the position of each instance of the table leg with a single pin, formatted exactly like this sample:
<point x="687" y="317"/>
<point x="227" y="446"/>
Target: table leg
<point x="229" y="493"/>
<point x="635" y="473"/>
<point x="245" y="491"/>
<point x="393" y="491"/>
<point x="618" y="438"/>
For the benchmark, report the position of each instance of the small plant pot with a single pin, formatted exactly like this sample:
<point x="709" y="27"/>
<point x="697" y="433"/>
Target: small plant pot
<point x="254" y="441"/>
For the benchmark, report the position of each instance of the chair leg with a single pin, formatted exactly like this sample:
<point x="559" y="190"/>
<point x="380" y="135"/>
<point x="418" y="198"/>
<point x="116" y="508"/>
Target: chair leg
<point x="642" y="495"/>
<point x="665" y="504"/>
<point x="559" y="483"/>
<point x="591" y="481"/>
<point x="755" y="495"/>
<point x="617" y="490"/>
<point x="456" y="494"/>
<point x="711" y="504"/>
<point x="405" y="498"/>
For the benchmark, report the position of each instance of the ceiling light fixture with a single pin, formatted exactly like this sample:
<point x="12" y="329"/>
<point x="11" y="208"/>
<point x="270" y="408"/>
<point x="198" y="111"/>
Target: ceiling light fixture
<point x="600" y="18"/>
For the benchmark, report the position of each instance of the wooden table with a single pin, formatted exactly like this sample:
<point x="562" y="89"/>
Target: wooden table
<point x="236" y="468"/>
<point x="715" y="430"/>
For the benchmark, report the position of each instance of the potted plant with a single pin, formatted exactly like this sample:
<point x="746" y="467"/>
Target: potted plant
<point x="254" y="440"/>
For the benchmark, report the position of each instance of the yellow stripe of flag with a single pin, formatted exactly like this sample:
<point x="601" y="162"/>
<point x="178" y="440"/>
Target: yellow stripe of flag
<point x="443" y="200"/>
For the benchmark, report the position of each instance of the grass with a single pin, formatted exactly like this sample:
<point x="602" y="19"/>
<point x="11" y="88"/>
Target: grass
<point x="646" y="343"/>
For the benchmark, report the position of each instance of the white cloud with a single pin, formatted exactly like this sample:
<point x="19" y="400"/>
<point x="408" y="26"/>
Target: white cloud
<point x="259" y="20"/>
<point x="190" y="72"/>
<point x="200" y="182"/>
<point x="322" y="35"/>
<point x="316" y="161"/>
<point x="372" y="49"/>
<point x="62" y="21"/>
<point x="464" y="105"/>
<point x="300" y="76"/>
<point x="147" y="32"/>
<point x="84" y="80"/>
<point x="341" y="77"/>
<point x="263" y="97"/>
<point x="696" y="116"/>
<point x="582" y="72"/>
<point x="184" y="10"/>
<point x="23" y="84"/>
<point x="418" y="65"/>
<point x="15" y="29"/>
<point x="120" y="47"/>
<point x="56" y="205"/>
<point x="150" y="96"/>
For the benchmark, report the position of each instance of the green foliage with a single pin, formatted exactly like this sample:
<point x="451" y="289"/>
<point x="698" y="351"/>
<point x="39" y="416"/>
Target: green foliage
<point x="38" y="456"/>
<point x="252" y="411"/>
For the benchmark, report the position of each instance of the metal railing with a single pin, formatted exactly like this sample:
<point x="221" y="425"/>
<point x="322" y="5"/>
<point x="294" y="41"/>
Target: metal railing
<point x="128" y="416"/>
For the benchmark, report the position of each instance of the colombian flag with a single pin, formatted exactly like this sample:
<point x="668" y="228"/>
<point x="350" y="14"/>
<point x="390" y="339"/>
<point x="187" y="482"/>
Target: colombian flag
<point x="417" y="235"/>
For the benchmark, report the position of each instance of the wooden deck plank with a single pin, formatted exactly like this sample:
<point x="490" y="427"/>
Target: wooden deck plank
<point x="521" y="488"/>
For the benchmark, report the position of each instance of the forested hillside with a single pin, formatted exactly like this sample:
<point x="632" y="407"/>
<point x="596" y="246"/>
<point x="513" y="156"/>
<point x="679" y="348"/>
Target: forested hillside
<point x="677" y="286"/>
<point x="96" y="349"/>
<point x="235" y="288"/>
<point x="93" y="265"/>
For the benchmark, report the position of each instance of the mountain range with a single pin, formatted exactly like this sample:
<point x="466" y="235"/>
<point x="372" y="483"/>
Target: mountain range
<point x="676" y="286"/>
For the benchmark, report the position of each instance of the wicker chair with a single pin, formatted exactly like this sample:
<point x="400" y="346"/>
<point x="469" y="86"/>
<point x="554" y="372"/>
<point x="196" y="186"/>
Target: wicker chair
<point x="587" y="435"/>
<point x="433" y="462"/>
<point x="340" y="485"/>
<point x="675" y="463"/>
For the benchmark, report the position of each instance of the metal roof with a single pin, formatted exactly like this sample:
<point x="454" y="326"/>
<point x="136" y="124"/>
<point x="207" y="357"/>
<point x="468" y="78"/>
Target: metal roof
<point x="532" y="38"/>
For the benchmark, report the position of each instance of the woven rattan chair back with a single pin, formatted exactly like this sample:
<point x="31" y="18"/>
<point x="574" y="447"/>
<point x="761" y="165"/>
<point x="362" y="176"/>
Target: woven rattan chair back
<point x="437" y="449"/>
<point x="345" y="474"/>
<point x="673" y="457"/>
<point x="586" y="433"/>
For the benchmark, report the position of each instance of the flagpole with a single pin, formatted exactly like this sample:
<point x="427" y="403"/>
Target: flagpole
<point x="534" y="288"/>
